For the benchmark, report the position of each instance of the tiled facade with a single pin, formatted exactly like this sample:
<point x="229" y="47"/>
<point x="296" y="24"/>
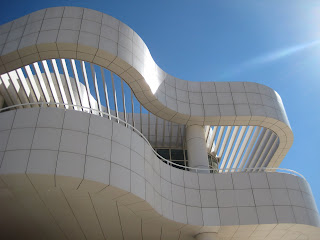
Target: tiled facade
<point x="79" y="175"/>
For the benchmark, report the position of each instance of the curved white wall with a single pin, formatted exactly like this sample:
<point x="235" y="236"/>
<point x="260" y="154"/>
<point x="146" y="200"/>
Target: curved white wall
<point x="84" y="34"/>
<point x="83" y="147"/>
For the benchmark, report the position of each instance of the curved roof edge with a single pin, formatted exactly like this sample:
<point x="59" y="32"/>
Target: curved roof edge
<point x="89" y="35"/>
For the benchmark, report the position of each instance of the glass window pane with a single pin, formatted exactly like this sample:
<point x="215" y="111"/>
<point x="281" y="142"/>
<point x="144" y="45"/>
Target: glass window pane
<point x="164" y="153"/>
<point x="177" y="154"/>
<point x="180" y="163"/>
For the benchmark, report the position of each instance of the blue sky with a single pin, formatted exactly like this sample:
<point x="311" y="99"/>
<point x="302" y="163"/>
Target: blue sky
<point x="273" y="42"/>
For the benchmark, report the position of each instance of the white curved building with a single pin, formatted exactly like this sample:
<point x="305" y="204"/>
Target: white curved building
<point x="97" y="142"/>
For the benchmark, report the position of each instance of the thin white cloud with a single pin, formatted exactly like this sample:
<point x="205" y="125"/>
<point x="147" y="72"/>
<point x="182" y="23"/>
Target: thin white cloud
<point x="269" y="58"/>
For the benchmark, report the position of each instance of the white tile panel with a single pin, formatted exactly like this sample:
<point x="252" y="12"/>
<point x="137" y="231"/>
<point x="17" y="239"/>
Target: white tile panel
<point x="121" y="135"/>
<point x="301" y="215"/>
<point x="280" y="197"/>
<point x="166" y="206"/>
<point x="192" y="197"/>
<point x="157" y="202"/>
<point x="266" y="215"/>
<point x="42" y="162"/>
<point x="206" y="181"/>
<point x="285" y="214"/>
<point x="259" y="180"/>
<point x="4" y="136"/>
<point x="137" y="143"/>
<point x="276" y="180"/>
<point x="120" y="155"/>
<point x="237" y="87"/>
<point x="166" y="191"/>
<point x="26" y="118"/>
<point x="100" y="127"/>
<point x="157" y="182"/>
<point x="51" y="24"/>
<point x="179" y="212"/>
<point x="229" y="216"/>
<point x="244" y="198"/>
<point x="165" y="171"/>
<point x="90" y="27"/>
<point x="226" y="198"/>
<point x="110" y="21"/>
<point x="291" y="181"/>
<point x="120" y="177"/>
<point x="262" y="197"/>
<point x="50" y="118"/>
<point x="223" y="181"/>
<point x="36" y="16"/>
<point x="150" y="194"/>
<point x="191" y="180"/>
<point x="92" y="15"/>
<point x="224" y="98"/>
<point x="46" y="138"/>
<point x="73" y="141"/>
<point x="99" y="147"/>
<point x="211" y="216"/>
<point x="47" y="37"/>
<point x="6" y="119"/>
<point x="137" y="164"/>
<point x="138" y="185"/>
<point x="304" y="185"/>
<point x="241" y="181"/>
<point x="309" y="201"/>
<point x="222" y="87"/>
<point x="97" y="170"/>
<point x="248" y="215"/>
<point x="148" y="171"/>
<point x="32" y="28"/>
<point x="20" y="139"/>
<point x="14" y="162"/>
<point x="177" y="176"/>
<point x="55" y="12"/>
<point x="194" y="215"/>
<point x="70" y="24"/>
<point x="208" y="198"/>
<point x="70" y="164"/>
<point x="178" y="194"/>
<point x="296" y="198"/>
<point x="77" y="121"/>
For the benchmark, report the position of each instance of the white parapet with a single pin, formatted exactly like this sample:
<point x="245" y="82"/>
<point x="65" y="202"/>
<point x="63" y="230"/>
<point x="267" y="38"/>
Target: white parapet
<point x="102" y="177"/>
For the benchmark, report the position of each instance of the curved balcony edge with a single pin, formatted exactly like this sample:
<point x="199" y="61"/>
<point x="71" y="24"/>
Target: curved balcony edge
<point x="107" y="42"/>
<point x="84" y="146"/>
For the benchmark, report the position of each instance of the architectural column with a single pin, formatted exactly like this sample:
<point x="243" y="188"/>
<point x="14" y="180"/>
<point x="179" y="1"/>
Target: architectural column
<point x="196" y="146"/>
<point x="207" y="236"/>
<point x="1" y="101"/>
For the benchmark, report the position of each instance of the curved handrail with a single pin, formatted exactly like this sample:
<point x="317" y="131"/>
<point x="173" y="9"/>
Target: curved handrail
<point x="205" y="170"/>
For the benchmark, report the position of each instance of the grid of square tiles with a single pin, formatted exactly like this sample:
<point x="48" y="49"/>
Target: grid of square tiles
<point x="70" y="32"/>
<point x="76" y="144"/>
<point x="84" y="34"/>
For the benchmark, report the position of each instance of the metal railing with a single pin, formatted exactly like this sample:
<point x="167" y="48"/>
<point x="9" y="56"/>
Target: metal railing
<point x="126" y="124"/>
